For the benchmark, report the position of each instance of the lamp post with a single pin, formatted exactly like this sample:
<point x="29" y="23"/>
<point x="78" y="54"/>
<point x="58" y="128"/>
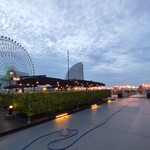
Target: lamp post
<point x="10" y="110"/>
<point x="10" y="113"/>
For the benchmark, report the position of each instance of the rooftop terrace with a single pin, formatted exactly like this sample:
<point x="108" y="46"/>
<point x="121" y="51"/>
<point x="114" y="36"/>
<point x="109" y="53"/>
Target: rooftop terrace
<point x="123" y="124"/>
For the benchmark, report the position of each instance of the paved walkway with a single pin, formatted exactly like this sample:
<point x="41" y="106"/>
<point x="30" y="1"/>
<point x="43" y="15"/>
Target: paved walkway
<point x="123" y="124"/>
<point x="10" y="124"/>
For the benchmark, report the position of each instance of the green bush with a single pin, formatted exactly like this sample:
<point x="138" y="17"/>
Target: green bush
<point x="53" y="102"/>
<point x="5" y="100"/>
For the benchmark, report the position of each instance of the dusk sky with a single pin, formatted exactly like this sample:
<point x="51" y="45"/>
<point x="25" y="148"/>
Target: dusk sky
<point x="110" y="37"/>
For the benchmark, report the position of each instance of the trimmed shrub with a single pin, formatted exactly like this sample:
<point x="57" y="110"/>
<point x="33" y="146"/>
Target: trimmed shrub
<point x="53" y="102"/>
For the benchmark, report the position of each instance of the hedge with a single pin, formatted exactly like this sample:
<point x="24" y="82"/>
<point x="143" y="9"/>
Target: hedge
<point x="5" y="100"/>
<point x="53" y="102"/>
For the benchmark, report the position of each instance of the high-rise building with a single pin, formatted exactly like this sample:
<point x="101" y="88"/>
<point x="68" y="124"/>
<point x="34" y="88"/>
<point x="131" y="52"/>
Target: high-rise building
<point x="75" y="72"/>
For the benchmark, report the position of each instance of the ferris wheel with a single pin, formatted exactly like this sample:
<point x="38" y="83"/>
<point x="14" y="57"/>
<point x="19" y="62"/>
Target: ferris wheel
<point x="14" y="58"/>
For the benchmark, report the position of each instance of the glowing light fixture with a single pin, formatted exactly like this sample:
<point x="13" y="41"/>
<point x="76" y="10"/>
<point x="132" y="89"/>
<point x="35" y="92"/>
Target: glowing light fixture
<point x="11" y="73"/>
<point x="109" y="101"/>
<point x="94" y="106"/>
<point x="44" y="89"/>
<point x="11" y="106"/>
<point x="76" y="88"/>
<point x="19" y="91"/>
<point x="61" y="115"/>
<point x="10" y="110"/>
<point x="16" y="78"/>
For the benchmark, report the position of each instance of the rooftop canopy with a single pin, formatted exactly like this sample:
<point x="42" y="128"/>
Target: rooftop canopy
<point x="33" y="81"/>
<point x="56" y="82"/>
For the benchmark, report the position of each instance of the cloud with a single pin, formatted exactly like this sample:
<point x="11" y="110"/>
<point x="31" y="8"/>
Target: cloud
<point x="107" y="36"/>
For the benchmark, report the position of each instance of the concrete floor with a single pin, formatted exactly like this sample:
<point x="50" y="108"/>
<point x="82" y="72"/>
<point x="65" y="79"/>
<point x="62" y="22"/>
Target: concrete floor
<point x="123" y="124"/>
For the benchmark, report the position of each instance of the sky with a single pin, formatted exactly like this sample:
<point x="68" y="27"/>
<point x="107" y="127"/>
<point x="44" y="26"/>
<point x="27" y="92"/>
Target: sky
<point x="110" y="37"/>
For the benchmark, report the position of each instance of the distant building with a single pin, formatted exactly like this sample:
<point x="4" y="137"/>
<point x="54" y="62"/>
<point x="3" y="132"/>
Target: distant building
<point x="75" y="72"/>
<point x="10" y="78"/>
